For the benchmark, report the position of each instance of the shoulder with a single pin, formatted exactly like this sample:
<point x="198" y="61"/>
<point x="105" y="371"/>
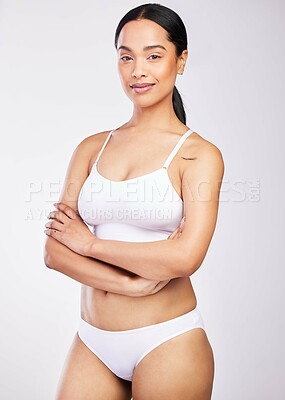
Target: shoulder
<point x="94" y="139"/>
<point x="90" y="145"/>
<point x="79" y="168"/>
<point x="202" y="157"/>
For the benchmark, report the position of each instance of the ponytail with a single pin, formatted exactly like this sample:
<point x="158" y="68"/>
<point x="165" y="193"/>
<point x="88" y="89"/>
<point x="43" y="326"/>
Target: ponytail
<point x="178" y="105"/>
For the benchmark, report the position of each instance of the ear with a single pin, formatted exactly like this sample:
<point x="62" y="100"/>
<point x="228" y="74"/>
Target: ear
<point x="181" y="62"/>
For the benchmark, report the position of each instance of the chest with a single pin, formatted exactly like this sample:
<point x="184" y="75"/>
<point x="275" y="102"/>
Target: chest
<point x="149" y="201"/>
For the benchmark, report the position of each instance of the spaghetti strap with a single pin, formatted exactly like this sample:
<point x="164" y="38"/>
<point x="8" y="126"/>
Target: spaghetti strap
<point x="103" y="147"/>
<point x="176" y="148"/>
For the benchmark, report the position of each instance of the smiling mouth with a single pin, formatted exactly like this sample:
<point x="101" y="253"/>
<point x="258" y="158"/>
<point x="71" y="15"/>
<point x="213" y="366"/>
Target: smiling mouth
<point x="141" y="85"/>
<point x="143" y="88"/>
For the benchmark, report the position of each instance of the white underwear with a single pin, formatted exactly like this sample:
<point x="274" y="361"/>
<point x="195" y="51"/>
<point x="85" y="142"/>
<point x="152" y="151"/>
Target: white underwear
<point x="121" y="351"/>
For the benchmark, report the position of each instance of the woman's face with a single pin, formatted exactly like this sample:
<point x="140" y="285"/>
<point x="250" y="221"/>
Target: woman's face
<point x="141" y="61"/>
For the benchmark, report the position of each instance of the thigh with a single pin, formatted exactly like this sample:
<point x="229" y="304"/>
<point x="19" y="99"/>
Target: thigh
<point x="182" y="368"/>
<point x="86" y="377"/>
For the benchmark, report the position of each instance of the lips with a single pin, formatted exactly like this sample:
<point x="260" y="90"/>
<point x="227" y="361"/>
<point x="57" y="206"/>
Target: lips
<point x="141" y="85"/>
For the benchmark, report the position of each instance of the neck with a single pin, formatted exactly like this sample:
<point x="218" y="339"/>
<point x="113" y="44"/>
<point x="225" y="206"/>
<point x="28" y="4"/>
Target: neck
<point x="160" y="116"/>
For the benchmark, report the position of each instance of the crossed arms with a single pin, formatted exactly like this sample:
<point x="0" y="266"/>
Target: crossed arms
<point x="73" y="250"/>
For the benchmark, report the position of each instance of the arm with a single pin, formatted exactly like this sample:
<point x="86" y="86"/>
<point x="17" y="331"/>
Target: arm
<point x="86" y="270"/>
<point x="97" y="274"/>
<point x="168" y="259"/>
<point x="91" y="272"/>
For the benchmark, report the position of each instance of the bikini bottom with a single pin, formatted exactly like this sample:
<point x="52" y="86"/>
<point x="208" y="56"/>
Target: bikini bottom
<point x="121" y="351"/>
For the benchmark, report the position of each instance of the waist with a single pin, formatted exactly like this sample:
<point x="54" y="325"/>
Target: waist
<point x="117" y="312"/>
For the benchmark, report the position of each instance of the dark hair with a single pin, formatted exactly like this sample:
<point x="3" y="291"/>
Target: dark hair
<point x="173" y="24"/>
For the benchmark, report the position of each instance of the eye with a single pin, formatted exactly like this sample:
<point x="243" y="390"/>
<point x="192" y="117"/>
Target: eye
<point x="125" y="58"/>
<point x="156" y="56"/>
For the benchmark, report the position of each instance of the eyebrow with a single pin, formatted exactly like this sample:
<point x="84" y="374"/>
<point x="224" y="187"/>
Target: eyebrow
<point x="154" y="46"/>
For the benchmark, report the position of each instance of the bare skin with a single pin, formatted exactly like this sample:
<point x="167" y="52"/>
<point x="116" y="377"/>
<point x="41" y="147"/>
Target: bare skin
<point x="104" y="310"/>
<point x="182" y="367"/>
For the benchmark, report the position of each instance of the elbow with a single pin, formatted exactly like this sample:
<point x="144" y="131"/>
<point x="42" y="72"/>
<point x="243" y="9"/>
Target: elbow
<point x="47" y="255"/>
<point x="47" y="261"/>
<point x="180" y="267"/>
<point x="192" y="265"/>
<point x="191" y="258"/>
<point x="187" y="271"/>
<point x="189" y="265"/>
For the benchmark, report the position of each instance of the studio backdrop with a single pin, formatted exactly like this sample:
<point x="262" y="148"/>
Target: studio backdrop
<point x="59" y="84"/>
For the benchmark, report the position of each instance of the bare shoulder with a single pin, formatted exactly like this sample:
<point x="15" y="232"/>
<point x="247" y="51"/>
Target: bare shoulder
<point x="79" y="168"/>
<point x="201" y="155"/>
<point x="90" y="146"/>
<point x="95" y="137"/>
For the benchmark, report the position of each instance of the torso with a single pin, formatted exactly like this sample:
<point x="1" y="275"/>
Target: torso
<point x="113" y="312"/>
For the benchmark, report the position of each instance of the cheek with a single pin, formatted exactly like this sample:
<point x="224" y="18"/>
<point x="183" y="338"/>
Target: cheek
<point x="165" y="70"/>
<point x="166" y="76"/>
<point x="125" y="74"/>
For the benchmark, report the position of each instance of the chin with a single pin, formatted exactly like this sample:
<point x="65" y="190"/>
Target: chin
<point x="144" y="102"/>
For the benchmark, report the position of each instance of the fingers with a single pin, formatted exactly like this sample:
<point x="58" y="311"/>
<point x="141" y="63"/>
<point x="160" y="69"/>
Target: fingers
<point x="54" y="225"/>
<point x="182" y="221"/>
<point x="177" y="235"/>
<point x="52" y="232"/>
<point x="160" y="286"/>
<point x="178" y="231"/>
<point x="66" y="210"/>
<point x="58" y="215"/>
<point x="174" y="234"/>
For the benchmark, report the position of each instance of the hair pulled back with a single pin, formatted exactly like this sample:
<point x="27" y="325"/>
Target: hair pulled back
<point x="176" y="33"/>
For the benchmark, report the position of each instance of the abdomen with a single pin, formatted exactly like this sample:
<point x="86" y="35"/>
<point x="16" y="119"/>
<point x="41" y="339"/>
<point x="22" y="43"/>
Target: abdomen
<point x="111" y="311"/>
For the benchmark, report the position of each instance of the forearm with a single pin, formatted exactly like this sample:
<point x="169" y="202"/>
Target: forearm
<point x="159" y="260"/>
<point x="89" y="271"/>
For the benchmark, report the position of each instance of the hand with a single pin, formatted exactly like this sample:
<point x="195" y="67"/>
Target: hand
<point x="67" y="227"/>
<point x="178" y="231"/>
<point x="144" y="287"/>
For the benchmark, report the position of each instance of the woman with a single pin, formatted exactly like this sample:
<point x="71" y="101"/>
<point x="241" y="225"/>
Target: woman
<point x="140" y="333"/>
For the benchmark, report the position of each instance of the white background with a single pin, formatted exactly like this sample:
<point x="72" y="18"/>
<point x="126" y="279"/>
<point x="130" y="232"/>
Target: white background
<point x="59" y="84"/>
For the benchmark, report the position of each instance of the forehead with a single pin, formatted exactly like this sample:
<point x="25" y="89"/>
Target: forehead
<point x="140" y="33"/>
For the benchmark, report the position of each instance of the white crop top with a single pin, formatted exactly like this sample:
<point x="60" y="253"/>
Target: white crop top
<point x="142" y="209"/>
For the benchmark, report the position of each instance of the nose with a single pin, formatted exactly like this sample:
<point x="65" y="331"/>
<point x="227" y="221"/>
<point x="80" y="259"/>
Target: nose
<point x="139" y="70"/>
